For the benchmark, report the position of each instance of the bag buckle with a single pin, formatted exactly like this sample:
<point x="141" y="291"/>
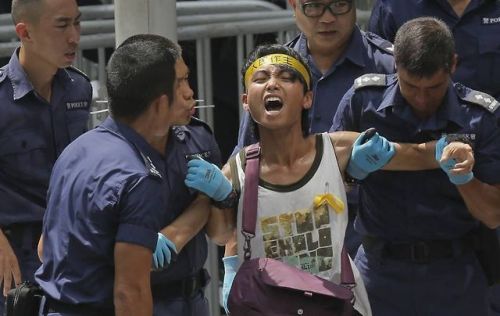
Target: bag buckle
<point x="247" y="251"/>
<point x="420" y="252"/>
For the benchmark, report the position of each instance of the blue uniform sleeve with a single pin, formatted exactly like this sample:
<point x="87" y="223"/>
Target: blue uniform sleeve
<point x="246" y="135"/>
<point x="487" y="151"/>
<point x="141" y="211"/>
<point x="382" y="22"/>
<point x="344" y="119"/>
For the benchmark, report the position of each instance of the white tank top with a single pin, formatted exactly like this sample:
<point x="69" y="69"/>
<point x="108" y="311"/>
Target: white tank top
<point x="290" y="228"/>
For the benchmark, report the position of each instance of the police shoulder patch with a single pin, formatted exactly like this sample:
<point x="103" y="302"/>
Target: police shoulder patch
<point x="482" y="99"/>
<point x="380" y="43"/>
<point x="150" y="167"/>
<point x="78" y="71"/>
<point x="370" y="80"/>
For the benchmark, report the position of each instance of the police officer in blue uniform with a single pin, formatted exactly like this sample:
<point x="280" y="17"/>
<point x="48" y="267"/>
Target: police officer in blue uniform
<point x="45" y="105"/>
<point x="179" y="288"/>
<point x="337" y="52"/>
<point x="475" y="25"/>
<point x="109" y="189"/>
<point x="417" y="256"/>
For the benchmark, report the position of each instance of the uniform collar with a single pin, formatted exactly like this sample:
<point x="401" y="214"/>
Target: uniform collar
<point x="126" y="132"/>
<point x="353" y="52"/>
<point x="355" y="49"/>
<point x="21" y="84"/>
<point x="448" y="112"/>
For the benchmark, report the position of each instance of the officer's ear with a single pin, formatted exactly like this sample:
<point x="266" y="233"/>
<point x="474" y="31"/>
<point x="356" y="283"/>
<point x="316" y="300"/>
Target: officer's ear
<point x="292" y="4"/>
<point x="454" y="62"/>
<point x="22" y="31"/>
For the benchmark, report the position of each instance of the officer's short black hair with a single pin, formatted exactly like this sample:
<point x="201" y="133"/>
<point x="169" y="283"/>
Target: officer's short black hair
<point x="265" y="50"/>
<point x="140" y="70"/>
<point x="423" y="46"/>
<point x="25" y="9"/>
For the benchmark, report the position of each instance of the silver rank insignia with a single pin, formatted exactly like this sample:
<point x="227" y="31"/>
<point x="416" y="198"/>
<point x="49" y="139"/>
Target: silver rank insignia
<point x="483" y="99"/>
<point x="370" y="80"/>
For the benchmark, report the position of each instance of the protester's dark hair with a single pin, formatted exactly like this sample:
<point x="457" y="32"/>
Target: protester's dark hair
<point x="424" y="46"/>
<point x="25" y="9"/>
<point x="265" y="50"/>
<point x="140" y="70"/>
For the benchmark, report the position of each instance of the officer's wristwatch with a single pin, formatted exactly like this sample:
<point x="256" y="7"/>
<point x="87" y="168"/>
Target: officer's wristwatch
<point x="231" y="200"/>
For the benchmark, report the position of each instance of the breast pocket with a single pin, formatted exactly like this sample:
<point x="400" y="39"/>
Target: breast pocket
<point x="489" y="63"/>
<point x="25" y="155"/>
<point x="77" y="122"/>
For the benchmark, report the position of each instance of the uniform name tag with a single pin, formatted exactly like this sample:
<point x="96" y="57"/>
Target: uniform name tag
<point x="76" y="105"/>
<point x="486" y="21"/>
<point x="203" y="155"/>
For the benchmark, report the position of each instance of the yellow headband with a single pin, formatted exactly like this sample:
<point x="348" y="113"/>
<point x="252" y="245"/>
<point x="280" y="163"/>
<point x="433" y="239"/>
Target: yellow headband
<point x="278" y="59"/>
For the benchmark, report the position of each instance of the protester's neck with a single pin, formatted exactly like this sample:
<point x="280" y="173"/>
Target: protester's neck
<point x="39" y="73"/>
<point x="283" y="147"/>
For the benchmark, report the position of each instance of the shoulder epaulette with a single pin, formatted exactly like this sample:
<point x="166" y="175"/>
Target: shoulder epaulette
<point x="150" y="167"/>
<point x="379" y="42"/>
<point x="78" y="71"/>
<point x="370" y="80"/>
<point x="482" y="99"/>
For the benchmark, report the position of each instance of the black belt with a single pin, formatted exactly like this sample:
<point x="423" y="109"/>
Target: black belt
<point x="25" y="235"/>
<point x="53" y="306"/>
<point x="187" y="287"/>
<point x="419" y="251"/>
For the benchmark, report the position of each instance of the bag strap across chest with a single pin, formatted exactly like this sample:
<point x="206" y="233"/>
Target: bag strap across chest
<point x="249" y="215"/>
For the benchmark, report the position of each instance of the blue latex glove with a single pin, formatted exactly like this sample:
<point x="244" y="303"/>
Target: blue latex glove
<point x="449" y="164"/>
<point x="369" y="155"/>
<point x="207" y="178"/>
<point x="163" y="252"/>
<point x="230" y="268"/>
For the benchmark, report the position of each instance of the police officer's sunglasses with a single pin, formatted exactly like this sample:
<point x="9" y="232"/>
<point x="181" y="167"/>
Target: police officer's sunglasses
<point x="317" y="9"/>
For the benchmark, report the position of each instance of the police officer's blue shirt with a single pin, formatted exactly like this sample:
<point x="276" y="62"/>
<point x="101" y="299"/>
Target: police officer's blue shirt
<point x="476" y="34"/>
<point x="108" y="186"/>
<point x="32" y="135"/>
<point x="366" y="53"/>
<point x="424" y="205"/>
<point x="185" y="143"/>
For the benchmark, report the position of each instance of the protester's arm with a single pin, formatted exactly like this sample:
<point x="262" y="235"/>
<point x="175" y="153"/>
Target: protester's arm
<point x="9" y="266"/>
<point x="409" y="157"/>
<point x="414" y="157"/>
<point x="188" y="223"/>
<point x="221" y="222"/>
<point x="132" y="289"/>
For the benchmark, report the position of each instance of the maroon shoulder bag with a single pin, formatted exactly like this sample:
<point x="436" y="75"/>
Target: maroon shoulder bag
<point x="264" y="286"/>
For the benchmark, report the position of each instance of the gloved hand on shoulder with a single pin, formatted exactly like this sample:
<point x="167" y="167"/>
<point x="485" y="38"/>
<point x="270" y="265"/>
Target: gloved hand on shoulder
<point x="231" y="264"/>
<point x="448" y="164"/>
<point x="369" y="154"/>
<point x="207" y="178"/>
<point x="165" y="249"/>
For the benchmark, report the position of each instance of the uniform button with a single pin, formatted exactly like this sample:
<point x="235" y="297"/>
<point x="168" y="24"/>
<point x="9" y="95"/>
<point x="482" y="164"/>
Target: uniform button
<point x="300" y="311"/>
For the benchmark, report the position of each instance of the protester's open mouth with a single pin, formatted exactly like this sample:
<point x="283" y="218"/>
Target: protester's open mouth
<point x="273" y="104"/>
